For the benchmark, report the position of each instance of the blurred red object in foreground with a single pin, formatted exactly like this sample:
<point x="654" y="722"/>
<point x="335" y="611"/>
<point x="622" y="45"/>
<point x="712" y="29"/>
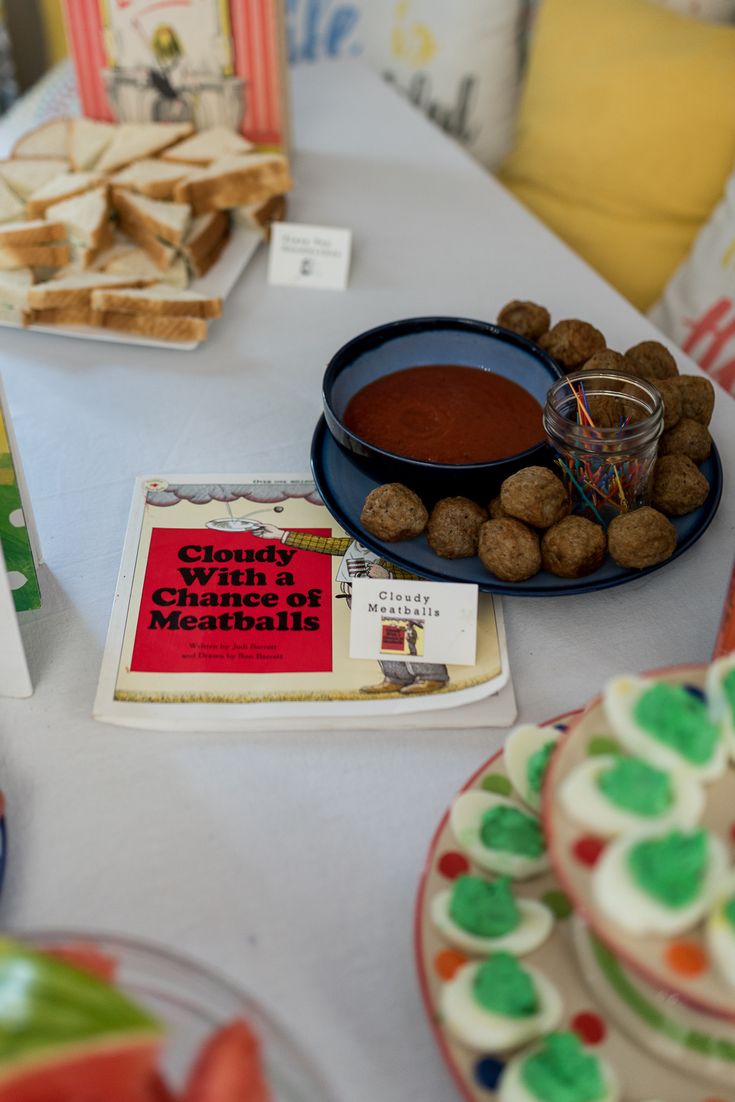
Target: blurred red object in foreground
<point x="725" y="643"/>
<point x="87" y="958"/>
<point x="229" y="1069"/>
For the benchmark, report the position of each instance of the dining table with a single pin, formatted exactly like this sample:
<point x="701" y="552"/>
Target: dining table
<point x="289" y="861"/>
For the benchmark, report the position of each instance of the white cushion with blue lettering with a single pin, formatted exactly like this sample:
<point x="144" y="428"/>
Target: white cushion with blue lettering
<point x="458" y="62"/>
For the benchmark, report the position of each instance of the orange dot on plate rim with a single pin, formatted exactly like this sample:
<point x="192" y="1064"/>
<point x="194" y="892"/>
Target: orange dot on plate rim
<point x="686" y="957"/>
<point x="447" y="962"/>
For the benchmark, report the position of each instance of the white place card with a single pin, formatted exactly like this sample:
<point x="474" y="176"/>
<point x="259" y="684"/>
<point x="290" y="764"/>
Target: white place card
<point x="309" y="256"/>
<point x="414" y="621"/>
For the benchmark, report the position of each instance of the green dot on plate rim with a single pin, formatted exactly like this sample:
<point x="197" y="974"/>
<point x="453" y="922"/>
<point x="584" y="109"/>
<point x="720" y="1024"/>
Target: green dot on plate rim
<point x="496" y="782"/>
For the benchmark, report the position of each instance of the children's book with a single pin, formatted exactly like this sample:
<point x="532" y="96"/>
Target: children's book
<point x="19" y="560"/>
<point x="18" y="537"/>
<point x="209" y="62"/>
<point x="232" y="611"/>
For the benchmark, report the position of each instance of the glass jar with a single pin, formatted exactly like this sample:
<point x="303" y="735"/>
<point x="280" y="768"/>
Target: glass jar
<point x="605" y="427"/>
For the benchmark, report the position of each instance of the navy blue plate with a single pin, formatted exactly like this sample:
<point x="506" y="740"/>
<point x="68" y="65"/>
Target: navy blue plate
<point x="344" y="486"/>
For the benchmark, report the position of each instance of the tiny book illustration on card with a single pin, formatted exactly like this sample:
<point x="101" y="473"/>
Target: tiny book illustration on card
<point x="233" y="606"/>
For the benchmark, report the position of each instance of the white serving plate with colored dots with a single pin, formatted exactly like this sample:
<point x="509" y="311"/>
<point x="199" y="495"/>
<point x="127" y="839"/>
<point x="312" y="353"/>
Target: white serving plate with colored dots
<point x="679" y="965"/>
<point x="643" y="1074"/>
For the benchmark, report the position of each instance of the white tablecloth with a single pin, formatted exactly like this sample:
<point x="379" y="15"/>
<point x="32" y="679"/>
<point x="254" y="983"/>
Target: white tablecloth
<point x="291" y="862"/>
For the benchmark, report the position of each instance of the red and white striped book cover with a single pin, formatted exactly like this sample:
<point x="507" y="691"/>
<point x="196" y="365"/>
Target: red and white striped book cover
<point x="212" y="62"/>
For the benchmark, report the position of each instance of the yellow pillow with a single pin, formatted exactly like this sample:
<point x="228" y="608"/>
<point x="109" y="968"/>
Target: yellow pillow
<point x="626" y="134"/>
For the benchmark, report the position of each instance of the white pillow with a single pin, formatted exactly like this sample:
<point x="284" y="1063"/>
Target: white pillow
<point x="458" y="62"/>
<point x="697" y="308"/>
<point x="710" y="11"/>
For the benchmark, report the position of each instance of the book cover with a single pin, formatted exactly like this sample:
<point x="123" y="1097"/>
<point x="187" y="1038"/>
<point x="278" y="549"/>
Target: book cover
<point x="210" y="62"/>
<point x="17" y="534"/>
<point x="233" y="606"/>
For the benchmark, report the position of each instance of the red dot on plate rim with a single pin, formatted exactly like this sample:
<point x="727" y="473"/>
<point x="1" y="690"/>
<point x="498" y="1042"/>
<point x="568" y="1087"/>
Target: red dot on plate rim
<point x="732" y="832"/>
<point x="588" y="849"/>
<point x="589" y="1027"/>
<point x="452" y="864"/>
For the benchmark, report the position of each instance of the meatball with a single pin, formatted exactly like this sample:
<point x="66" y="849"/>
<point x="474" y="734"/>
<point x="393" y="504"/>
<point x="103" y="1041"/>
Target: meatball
<point x="393" y="512"/>
<point x="608" y="360"/>
<point x="697" y="398"/>
<point x="509" y="550"/>
<point x="687" y="437"/>
<point x="495" y="509"/>
<point x="535" y="496"/>
<point x="606" y="410"/>
<point x="454" y="527"/>
<point x="573" y="547"/>
<point x="678" y="486"/>
<point x="525" y="318"/>
<point x="572" y="342"/>
<point x="652" y="361"/>
<point x="671" y="395"/>
<point x="641" y="538"/>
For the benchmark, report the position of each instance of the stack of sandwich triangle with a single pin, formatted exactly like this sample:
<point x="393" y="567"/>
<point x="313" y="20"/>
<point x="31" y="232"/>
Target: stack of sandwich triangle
<point x="89" y="210"/>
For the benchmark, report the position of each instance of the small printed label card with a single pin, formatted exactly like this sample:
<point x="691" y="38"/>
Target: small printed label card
<point x="309" y="256"/>
<point x="414" y="621"/>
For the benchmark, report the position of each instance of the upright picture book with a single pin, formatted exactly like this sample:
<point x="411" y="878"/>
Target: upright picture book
<point x="207" y="62"/>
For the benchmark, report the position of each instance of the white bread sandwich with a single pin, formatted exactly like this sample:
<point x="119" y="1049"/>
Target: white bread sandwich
<point x="162" y="254"/>
<point x="36" y="232"/>
<point x="34" y="256"/>
<point x="205" y="240"/>
<point x="75" y="291"/>
<point x="61" y="187"/>
<point x="201" y="265"/>
<point x="208" y="145"/>
<point x="235" y="182"/>
<point x="66" y="315"/>
<point x="12" y="209"/>
<point x="151" y="177"/>
<point x="87" y="218"/>
<point x="51" y="139"/>
<point x="133" y="141"/>
<point x="25" y="177"/>
<point x="131" y="261"/>
<point x="169" y="221"/>
<point x="158" y="300"/>
<point x="36" y="244"/>
<point x="259" y="217"/>
<point x="14" y="287"/>
<point x="88" y="140"/>
<point x="159" y="327"/>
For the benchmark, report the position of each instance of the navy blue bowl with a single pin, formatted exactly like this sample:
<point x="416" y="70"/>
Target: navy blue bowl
<point x="416" y="342"/>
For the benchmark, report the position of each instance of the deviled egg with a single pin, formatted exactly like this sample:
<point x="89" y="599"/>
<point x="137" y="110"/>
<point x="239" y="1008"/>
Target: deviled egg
<point x="610" y="793"/>
<point x="667" y="725"/>
<point x="720" y="934"/>
<point x="498" y="835"/>
<point x="660" y="883"/>
<point x="721" y="696"/>
<point x="526" y="754"/>
<point x="498" y="1004"/>
<point x="483" y="917"/>
<point x="558" y="1068"/>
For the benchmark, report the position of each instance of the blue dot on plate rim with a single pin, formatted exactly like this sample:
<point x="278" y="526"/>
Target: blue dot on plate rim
<point x="695" y="691"/>
<point x="561" y="727"/>
<point x="488" y="1072"/>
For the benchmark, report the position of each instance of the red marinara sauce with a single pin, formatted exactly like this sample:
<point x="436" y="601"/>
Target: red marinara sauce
<point x="446" y="413"/>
